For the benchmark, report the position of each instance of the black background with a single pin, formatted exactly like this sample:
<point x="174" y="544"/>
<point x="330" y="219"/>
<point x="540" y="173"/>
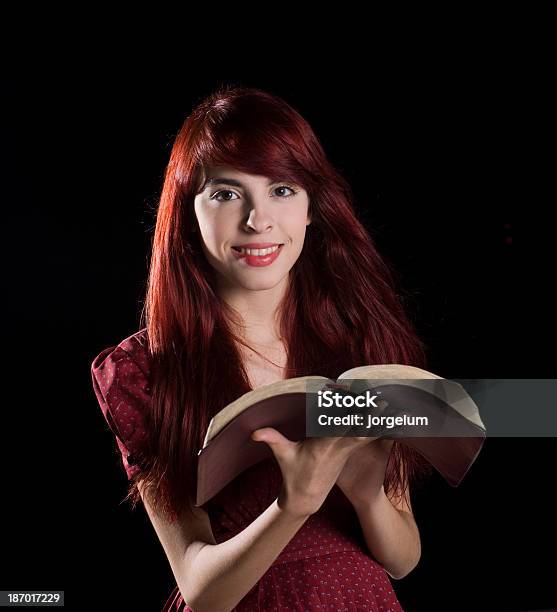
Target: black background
<point x="446" y="167"/>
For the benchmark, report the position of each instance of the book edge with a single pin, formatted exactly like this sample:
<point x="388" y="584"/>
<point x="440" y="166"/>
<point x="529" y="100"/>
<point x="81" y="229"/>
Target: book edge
<point x="232" y="410"/>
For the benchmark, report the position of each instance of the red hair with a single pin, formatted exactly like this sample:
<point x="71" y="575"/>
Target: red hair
<point x="341" y="308"/>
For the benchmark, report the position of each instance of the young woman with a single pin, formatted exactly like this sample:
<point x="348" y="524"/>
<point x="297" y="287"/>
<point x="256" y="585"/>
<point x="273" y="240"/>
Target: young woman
<point x="261" y="271"/>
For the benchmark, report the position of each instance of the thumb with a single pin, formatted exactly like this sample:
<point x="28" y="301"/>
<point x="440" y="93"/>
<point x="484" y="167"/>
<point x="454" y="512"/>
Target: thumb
<point x="269" y="435"/>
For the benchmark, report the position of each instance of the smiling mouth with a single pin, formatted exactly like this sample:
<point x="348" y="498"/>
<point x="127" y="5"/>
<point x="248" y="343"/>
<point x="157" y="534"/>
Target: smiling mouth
<point x="259" y="252"/>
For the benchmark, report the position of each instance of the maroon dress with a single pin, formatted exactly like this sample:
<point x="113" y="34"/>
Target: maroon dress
<point x="325" y="566"/>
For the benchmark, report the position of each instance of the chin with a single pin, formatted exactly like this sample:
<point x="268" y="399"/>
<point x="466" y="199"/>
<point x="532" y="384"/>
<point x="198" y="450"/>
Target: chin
<point x="260" y="279"/>
<point x="259" y="284"/>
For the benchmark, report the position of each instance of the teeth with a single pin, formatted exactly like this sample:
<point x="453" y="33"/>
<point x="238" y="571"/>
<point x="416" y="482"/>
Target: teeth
<point x="259" y="252"/>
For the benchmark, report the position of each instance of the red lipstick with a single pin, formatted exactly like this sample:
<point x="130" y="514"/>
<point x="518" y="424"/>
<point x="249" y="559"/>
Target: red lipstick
<point x="256" y="260"/>
<point x="256" y="245"/>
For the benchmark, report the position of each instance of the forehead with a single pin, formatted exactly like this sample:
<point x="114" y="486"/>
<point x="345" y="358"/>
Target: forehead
<point x="226" y="175"/>
<point x="230" y="171"/>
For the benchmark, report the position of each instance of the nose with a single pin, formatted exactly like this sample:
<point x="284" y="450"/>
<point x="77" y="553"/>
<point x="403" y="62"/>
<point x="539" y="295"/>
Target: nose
<point x="259" y="218"/>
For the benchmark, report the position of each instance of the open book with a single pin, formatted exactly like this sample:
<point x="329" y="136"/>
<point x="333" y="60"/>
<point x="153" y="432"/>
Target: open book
<point x="451" y="441"/>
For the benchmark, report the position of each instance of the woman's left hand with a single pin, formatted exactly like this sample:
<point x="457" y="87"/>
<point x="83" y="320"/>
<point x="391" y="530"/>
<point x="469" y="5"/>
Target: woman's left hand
<point x="364" y="472"/>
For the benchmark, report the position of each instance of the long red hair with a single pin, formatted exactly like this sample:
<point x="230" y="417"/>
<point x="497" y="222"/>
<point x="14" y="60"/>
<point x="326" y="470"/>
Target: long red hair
<point x="342" y="308"/>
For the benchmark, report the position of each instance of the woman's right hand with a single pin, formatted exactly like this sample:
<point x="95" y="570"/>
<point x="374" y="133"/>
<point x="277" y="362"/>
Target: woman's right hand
<point x="309" y="467"/>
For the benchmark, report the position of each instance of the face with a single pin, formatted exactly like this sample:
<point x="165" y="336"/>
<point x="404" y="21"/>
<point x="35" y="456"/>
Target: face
<point x="236" y="209"/>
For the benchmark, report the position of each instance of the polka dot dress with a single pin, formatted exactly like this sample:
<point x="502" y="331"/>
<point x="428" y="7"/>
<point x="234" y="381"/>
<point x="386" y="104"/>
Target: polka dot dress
<point x="325" y="566"/>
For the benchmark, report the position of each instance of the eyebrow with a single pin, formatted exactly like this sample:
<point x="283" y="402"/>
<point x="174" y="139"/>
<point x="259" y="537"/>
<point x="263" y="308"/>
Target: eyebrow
<point x="216" y="180"/>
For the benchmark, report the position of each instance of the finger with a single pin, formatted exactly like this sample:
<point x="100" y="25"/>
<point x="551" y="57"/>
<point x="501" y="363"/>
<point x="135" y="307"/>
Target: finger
<point x="269" y="435"/>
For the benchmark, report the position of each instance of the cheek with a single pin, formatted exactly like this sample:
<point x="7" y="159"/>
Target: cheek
<point x="299" y="226"/>
<point x="211" y="227"/>
<point x="220" y="228"/>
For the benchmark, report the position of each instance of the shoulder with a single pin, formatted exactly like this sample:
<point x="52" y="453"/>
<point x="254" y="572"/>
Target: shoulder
<point x="131" y="352"/>
<point x="120" y="376"/>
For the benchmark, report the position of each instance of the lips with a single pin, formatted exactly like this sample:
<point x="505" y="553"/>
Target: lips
<point x="256" y="260"/>
<point x="257" y="245"/>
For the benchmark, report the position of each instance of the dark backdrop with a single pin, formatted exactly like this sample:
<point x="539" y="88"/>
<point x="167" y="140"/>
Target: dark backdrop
<point x="444" y="169"/>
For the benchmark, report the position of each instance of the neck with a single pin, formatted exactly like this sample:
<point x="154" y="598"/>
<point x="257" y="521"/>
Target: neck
<point x="258" y="310"/>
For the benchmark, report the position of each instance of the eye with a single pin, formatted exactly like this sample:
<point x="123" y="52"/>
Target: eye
<point x="294" y="192"/>
<point x="214" y="196"/>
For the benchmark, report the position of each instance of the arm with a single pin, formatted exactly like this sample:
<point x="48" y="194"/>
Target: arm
<point x="215" y="577"/>
<point x="388" y="526"/>
<point x="391" y="534"/>
<point x="224" y="573"/>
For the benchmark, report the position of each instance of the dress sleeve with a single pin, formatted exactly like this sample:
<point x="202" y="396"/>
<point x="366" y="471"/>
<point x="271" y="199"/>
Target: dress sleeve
<point x="120" y="381"/>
